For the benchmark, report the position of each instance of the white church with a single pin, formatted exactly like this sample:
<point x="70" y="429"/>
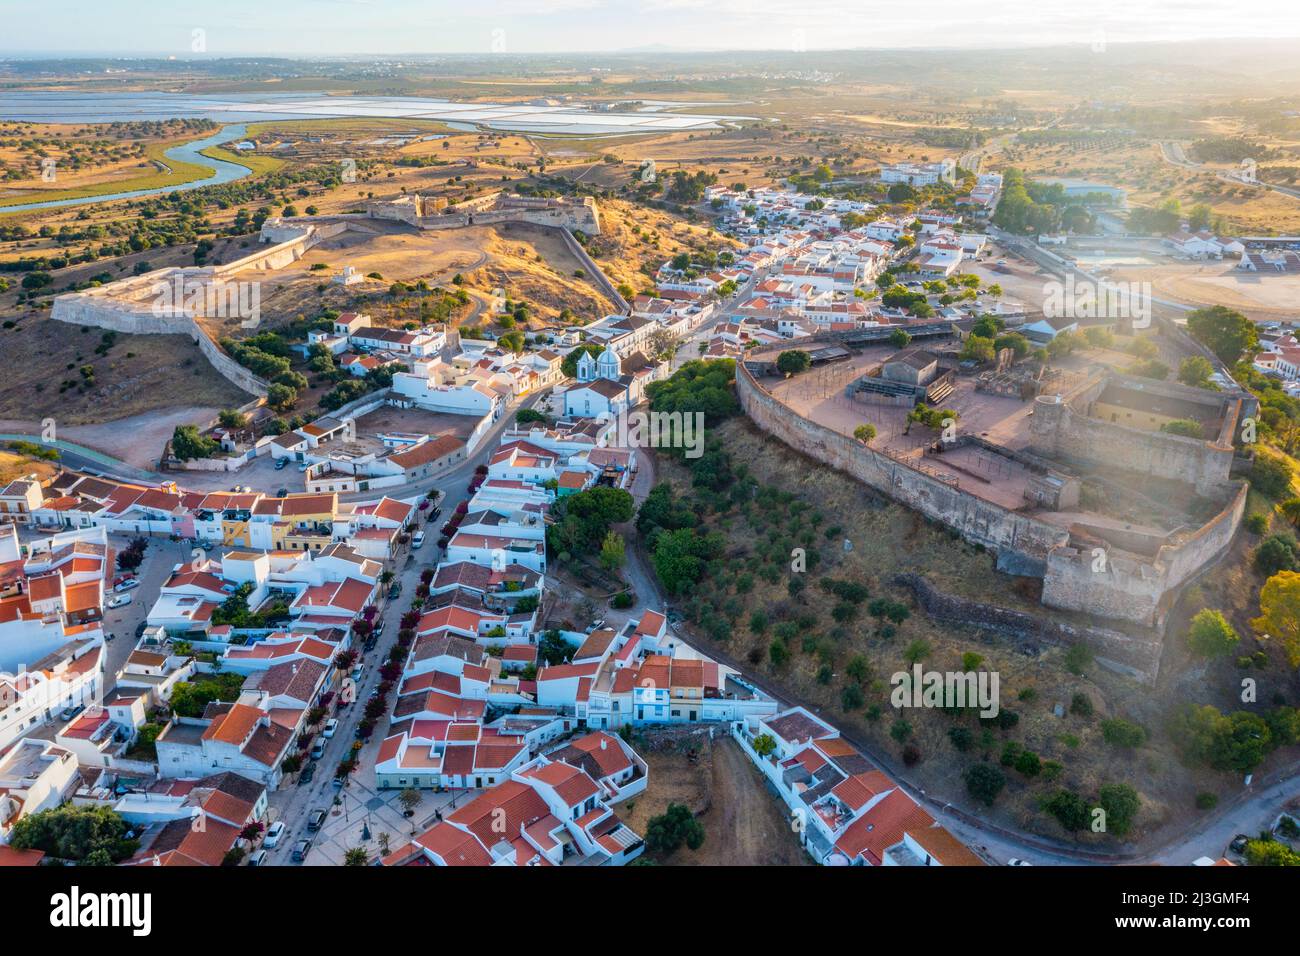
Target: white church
<point x="609" y="384"/>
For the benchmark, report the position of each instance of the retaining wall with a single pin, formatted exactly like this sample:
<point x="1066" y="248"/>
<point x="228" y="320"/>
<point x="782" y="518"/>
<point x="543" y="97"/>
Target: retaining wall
<point x="1137" y="655"/>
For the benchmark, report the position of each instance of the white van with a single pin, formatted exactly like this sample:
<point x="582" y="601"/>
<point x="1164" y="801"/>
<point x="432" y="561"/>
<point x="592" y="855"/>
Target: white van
<point x="417" y="540"/>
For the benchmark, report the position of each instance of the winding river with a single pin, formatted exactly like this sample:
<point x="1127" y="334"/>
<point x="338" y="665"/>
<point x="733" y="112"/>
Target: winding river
<point x="223" y="172"/>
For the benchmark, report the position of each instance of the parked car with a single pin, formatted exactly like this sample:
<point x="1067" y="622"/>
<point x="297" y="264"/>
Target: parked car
<point x="394" y="590"/>
<point x="308" y="774"/>
<point x="281" y="463"/>
<point x="433" y="515"/>
<point x="316" y="820"/>
<point x="300" y="850"/>
<point x="356" y="672"/>
<point x="1238" y="844"/>
<point x="318" y="750"/>
<point x="257" y="858"/>
<point x="69" y="712"/>
<point x="303" y="466"/>
<point x="126" y="584"/>
<point x="1015" y="862"/>
<point x="274" y="834"/>
<point x="331" y="727"/>
<point x="417" y="539"/>
<point x="120" y="600"/>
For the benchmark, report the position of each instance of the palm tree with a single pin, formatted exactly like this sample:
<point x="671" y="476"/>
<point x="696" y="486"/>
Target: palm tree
<point x="357" y="856"/>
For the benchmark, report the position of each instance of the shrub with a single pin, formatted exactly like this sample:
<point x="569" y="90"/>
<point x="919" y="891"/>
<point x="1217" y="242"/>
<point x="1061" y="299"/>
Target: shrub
<point x="1275" y="553"/>
<point x="984" y="782"/>
<point x="1122" y="733"/>
<point x="1081" y="705"/>
<point x="1210" y="634"/>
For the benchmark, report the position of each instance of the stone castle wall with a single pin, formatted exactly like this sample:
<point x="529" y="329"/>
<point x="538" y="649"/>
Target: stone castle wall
<point x="1128" y="588"/>
<point x="1018" y="536"/>
<point x="1060" y="427"/>
<point x="1121" y="586"/>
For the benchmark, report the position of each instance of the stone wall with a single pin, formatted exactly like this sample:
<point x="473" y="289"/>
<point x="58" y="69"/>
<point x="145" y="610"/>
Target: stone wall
<point x="1127" y="587"/>
<point x="1022" y="538"/>
<point x="1062" y="429"/>
<point x="595" y="272"/>
<point x="1136" y="655"/>
<point x="1122" y="586"/>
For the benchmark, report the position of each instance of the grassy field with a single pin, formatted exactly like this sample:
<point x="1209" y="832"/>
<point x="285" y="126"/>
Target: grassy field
<point x="258" y="165"/>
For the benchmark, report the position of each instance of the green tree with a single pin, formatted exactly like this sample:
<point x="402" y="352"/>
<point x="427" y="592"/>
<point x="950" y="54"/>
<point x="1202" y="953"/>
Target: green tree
<point x="1185" y="427"/>
<point x="984" y="782"/>
<point x="1279" y="605"/>
<point x="281" y="397"/>
<point x="93" y="835"/>
<point x="1210" y="634"/>
<point x="1069" y="809"/>
<point x="188" y="443"/>
<point x="1270" y="475"/>
<point x="1195" y="370"/>
<point x="865" y="433"/>
<point x="1121" y="803"/>
<point x="1225" y="332"/>
<point x="1275" y="553"/>
<point x="612" y="551"/>
<point x="675" y="826"/>
<point x="793" y="361"/>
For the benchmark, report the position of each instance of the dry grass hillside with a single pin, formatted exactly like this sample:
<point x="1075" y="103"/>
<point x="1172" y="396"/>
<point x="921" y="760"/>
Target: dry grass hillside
<point x="134" y="374"/>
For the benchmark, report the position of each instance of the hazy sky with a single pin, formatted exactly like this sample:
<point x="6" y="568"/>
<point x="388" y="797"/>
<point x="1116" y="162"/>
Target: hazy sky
<point x="306" y="27"/>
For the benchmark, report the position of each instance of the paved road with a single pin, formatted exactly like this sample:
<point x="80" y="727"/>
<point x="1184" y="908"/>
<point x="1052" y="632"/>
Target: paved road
<point x="359" y="804"/>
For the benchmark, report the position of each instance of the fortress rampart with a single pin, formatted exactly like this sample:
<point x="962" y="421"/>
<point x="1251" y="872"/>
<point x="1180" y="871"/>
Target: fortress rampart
<point x="1104" y="580"/>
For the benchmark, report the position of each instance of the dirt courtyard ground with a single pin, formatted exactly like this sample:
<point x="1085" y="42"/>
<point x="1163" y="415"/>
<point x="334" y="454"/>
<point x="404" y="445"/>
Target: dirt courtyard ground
<point x="819" y="394"/>
<point x="744" y="822"/>
<point x="388" y="419"/>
